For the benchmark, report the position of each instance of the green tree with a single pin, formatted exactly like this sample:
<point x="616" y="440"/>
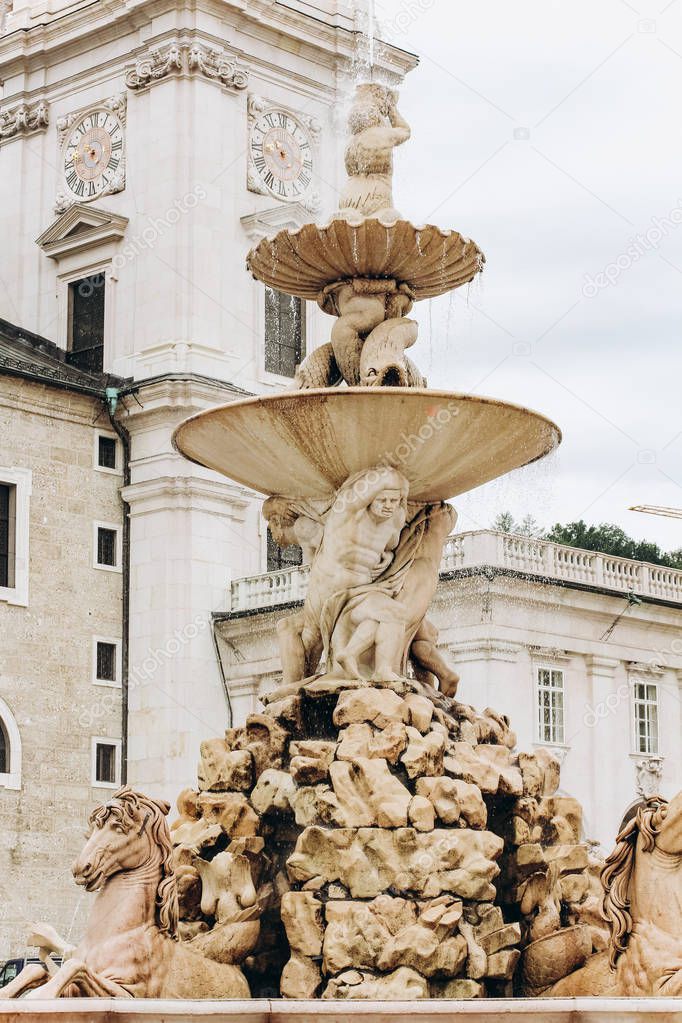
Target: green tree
<point x="506" y="523"/>
<point x="611" y="539"/>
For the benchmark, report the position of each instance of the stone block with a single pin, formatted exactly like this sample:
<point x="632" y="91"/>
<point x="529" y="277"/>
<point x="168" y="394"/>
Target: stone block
<point x="273" y="791"/>
<point x="380" y="707"/>
<point x="421" y="814"/>
<point x="303" y="921"/>
<point x="310" y="760"/>
<point x="424" y="754"/>
<point x="301" y="978"/>
<point x="231" y="811"/>
<point x="371" y="860"/>
<point x="368" y="793"/>
<point x="420" y="711"/>
<point x="452" y="798"/>
<point x="224" y="770"/>
<point x="403" y="984"/>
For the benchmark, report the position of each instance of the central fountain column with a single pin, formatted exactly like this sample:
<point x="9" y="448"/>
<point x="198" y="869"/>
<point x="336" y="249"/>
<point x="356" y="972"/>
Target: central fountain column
<point x="398" y="846"/>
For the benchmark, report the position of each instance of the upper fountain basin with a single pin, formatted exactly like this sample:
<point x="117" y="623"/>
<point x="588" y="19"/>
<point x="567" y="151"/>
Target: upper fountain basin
<point x="306" y="443"/>
<point x="304" y="260"/>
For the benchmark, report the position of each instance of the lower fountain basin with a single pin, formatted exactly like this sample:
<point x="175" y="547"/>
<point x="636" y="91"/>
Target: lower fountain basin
<point x="306" y="443"/>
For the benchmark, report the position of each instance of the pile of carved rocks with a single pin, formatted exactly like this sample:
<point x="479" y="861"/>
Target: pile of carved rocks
<point x="363" y="842"/>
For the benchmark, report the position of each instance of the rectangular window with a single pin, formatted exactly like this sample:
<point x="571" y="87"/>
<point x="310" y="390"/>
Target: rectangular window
<point x="106" y="763"/>
<point x="106" y="662"/>
<point x="86" y="323"/>
<point x="106" y="452"/>
<point x="282" y="557"/>
<point x="645" y="710"/>
<point x="550" y="705"/>
<point x="107" y="540"/>
<point x="7" y="534"/>
<point x="284" y="332"/>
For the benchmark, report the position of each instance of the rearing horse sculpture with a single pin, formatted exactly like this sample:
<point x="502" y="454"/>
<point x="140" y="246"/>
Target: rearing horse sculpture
<point x="131" y="947"/>
<point x="642" y="881"/>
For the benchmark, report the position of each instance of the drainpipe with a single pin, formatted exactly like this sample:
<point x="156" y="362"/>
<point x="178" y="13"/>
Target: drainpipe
<point x="112" y="396"/>
<point x="223" y="677"/>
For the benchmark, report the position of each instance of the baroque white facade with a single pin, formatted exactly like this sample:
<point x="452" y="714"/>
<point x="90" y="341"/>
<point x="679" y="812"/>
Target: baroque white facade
<point x="581" y="650"/>
<point x="132" y="168"/>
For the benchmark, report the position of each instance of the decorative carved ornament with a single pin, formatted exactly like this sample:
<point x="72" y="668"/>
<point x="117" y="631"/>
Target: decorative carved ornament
<point x="649" y="773"/>
<point x="23" y="120"/>
<point x="186" y="59"/>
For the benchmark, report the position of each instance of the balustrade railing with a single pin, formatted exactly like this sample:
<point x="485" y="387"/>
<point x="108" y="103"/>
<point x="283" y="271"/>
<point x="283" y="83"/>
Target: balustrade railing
<point x="499" y="550"/>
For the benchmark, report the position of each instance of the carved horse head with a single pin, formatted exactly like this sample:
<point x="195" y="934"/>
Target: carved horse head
<point x="130" y="833"/>
<point x="645" y="867"/>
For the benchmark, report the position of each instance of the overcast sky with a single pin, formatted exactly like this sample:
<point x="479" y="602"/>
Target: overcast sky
<point x="549" y="132"/>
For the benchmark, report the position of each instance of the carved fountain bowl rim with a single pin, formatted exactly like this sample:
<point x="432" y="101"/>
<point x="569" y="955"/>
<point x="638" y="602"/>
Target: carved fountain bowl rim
<point x="304" y="444"/>
<point x="302" y="261"/>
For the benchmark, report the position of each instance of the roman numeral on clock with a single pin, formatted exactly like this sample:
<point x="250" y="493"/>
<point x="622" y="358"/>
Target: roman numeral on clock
<point x="79" y="188"/>
<point x="259" y="162"/>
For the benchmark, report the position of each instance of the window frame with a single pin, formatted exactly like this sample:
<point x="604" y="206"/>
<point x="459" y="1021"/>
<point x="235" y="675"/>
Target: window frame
<point x="70" y="321"/>
<point x="264" y="375"/>
<point x="116" y="527"/>
<point x="118" y="469"/>
<point x="11" y="779"/>
<point x="537" y="689"/>
<point x="104" y="740"/>
<point x="634" y="702"/>
<point x="64" y="280"/>
<point x="21" y="481"/>
<point x="118" y="662"/>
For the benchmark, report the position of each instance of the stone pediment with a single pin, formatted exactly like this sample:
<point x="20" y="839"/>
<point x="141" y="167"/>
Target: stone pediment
<point x="81" y="227"/>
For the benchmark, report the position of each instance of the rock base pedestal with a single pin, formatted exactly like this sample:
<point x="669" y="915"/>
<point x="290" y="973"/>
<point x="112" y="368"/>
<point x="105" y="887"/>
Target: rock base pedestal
<point x="398" y="847"/>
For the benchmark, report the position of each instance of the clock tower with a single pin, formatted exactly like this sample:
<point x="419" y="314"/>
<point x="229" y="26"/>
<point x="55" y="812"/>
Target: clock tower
<point x="144" y="147"/>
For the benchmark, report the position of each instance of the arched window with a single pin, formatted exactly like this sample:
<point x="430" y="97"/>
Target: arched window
<point x="4" y="749"/>
<point x="10" y="749"/>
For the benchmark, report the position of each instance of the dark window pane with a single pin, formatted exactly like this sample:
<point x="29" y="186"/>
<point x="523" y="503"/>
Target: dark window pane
<point x="105" y="767"/>
<point x="4" y="750"/>
<point x="284" y="341"/>
<point x="106" y="662"/>
<point x="106" y="546"/>
<point x="86" y="329"/>
<point x="5" y="494"/>
<point x="283" y="557"/>
<point x="106" y="452"/>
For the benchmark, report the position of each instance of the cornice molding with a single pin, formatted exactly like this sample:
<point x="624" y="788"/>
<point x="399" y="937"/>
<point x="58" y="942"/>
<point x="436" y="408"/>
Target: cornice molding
<point x="182" y="59"/>
<point x="550" y="653"/>
<point x="331" y="41"/>
<point x="488" y="649"/>
<point x="645" y="668"/>
<point x="263" y="223"/>
<point x="186" y="493"/>
<point x="24" y="119"/>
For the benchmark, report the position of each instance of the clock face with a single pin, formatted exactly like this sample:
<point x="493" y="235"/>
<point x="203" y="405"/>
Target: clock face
<point x="93" y="153"/>
<point x="281" y="154"/>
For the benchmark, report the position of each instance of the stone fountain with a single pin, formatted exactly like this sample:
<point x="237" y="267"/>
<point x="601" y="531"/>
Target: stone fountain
<point x="368" y="836"/>
<point x="402" y="849"/>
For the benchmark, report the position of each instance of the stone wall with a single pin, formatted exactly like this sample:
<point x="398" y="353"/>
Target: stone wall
<point x="46" y="654"/>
